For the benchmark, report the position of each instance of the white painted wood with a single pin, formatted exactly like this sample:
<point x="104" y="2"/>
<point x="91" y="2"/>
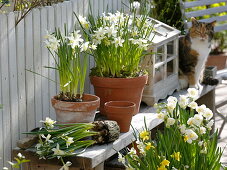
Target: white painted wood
<point x="30" y="86"/>
<point x="52" y="73"/>
<point x="58" y="24"/>
<point x="216" y="18"/>
<point x="201" y="3"/>
<point x="13" y="79"/>
<point x="25" y="95"/>
<point x="1" y="112"/>
<point x="63" y="15"/>
<point x="69" y="15"/>
<point x="20" y="40"/>
<point x="74" y="8"/>
<point x="5" y="89"/>
<point x="114" y="5"/>
<point x="206" y="11"/>
<point x="45" y="62"/>
<point x="37" y="66"/>
<point x="220" y="28"/>
<point x="187" y="15"/>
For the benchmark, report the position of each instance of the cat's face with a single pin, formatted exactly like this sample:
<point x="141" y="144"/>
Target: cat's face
<point x="203" y="31"/>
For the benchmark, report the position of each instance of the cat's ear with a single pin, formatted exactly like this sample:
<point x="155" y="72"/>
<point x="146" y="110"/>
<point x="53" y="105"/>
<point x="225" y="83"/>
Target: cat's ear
<point x="194" y="21"/>
<point x="213" y="23"/>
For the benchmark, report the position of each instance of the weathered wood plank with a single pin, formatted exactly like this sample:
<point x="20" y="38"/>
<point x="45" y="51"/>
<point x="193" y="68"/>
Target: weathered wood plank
<point x="6" y="119"/>
<point x="20" y="40"/>
<point x="52" y="73"/>
<point x="206" y="11"/>
<point x="29" y="60"/>
<point x="69" y="15"/>
<point x="201" y="3"/>
<point x="1" y="112"/>
<point x="45" y="62"/>
<point x="13" y="79"/>
<point x="37" y="66"/>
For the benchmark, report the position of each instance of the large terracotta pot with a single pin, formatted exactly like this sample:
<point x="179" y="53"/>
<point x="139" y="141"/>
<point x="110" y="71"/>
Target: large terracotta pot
<point x="121" y="112"/>
<point x="75" y="112"/>
<point x="119" y="89"/>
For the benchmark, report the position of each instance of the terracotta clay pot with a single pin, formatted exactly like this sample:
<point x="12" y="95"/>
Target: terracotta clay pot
<point x="119" y="89"/>
<point x="121" y="112"/>
<point x="75" y="112"/>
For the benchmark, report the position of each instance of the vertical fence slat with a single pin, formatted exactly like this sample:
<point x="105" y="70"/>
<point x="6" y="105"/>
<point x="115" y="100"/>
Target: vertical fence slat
<point x="1" y="112"/>
<point x="45" y="62"/>
<point x="74" y="10"/>
<point x="52" y="73"/>
<point x="58" y="24"/>
<point x="37" y="66"/>
<point x="5" y="88"/>
<point x="70" y="15"/>
<point x="20" y="40"/>
<point x="63" y="14"/>
<point x="86" y="8"/>
<point x="29" y="76"/>
<point x="114" y="5"/>
<point x="13" y="79"/>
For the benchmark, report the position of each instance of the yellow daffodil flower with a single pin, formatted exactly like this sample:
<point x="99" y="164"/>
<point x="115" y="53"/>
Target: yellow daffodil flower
<point x="165" y="163"/>
<point x="176" y="155"/>
<point x="144" y="135"/>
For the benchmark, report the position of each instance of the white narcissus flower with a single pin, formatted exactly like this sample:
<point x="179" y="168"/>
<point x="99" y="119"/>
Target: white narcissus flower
<point x="84" y="46"/>
<point x="193" y="105"/>
<point x="118" y="41"/>
<point x="136" y="5"/>
<point x="83" y="21"/>
<point x="160" y="116"/>
<point x="57" y="151"/>
<point x="200" y="143"/>
<point x="47" y="138"/>
<point x="52" y="42"/>
<point x="132" y="151"/>
<point x="141" y="146"/>
<point x="190" y="121"/>
<point x="111" y="31"/>
<point x="66" y="166"/>
<point x="20" y="156"/>
<point x="208" y="114"/>
<point x="100" y="33"/>
<point x="193" y="93"/>
<point x="75" y="39"/>
<point x="172" y="99"/>
<point x="170" y="121"/>
<point x="201" y="109"/>
<point x="210" y="124"/>
<point x="202" y="130"/>
<point x="190" y="135"/>
<point x="183" y="101"/>
<point x="93" y="46"/>
<point x="197" y="119"/>
<point x="49" y="123"/>
<point x="121" y="158"/>
<point x="182" y="128"/>
<point x="69" y="141"/>
<point x="5" y="168"/>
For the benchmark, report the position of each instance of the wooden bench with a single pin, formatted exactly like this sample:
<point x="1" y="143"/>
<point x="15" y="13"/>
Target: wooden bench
<point x="94" y="157"/>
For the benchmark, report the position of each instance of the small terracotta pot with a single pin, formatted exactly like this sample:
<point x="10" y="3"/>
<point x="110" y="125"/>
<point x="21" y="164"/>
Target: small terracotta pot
<point x="75" y="112"/>
<point x="119" y="89"/>
<point x="121" y="112"/>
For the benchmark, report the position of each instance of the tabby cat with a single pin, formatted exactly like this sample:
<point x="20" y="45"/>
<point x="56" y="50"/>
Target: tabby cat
<point x="194" y="49"/>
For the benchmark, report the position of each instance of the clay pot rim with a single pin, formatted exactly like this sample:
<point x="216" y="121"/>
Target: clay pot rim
<point x="98" y="77"/>
<point x="131" y="104"/>
<point x="96" y="99"/>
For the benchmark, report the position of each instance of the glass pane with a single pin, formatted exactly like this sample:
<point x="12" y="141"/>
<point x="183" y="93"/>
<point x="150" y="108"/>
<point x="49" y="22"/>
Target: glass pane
<point x="159" y="74"/>
<point x="158" y="56"/>
<point x="170" y="49"/>
<point x="170" y="68"/>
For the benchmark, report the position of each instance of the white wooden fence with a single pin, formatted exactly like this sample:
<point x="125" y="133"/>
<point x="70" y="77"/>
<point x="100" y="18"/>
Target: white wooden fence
<point x="26" y="96"/>
<point x="220" y="26"/>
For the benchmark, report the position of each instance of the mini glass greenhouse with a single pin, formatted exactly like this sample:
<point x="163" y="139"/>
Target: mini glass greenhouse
<point x="162" y="64"/>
